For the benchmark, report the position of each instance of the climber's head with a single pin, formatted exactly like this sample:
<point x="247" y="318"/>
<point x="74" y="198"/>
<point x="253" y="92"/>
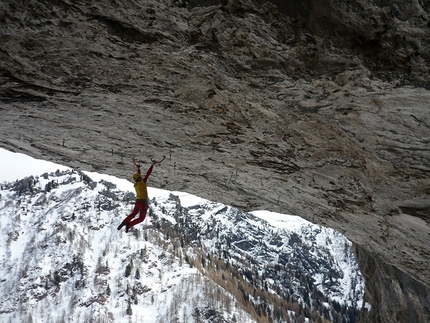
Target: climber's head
<point x="136" y="177"/>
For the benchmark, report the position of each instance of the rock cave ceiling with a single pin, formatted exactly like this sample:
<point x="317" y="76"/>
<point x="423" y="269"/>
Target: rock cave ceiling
<point x="319" y="110"/>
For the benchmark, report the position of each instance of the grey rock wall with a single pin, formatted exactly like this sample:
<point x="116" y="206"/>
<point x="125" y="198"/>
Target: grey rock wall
<point x="319" y="109"/>
<point x="400" y="296"/>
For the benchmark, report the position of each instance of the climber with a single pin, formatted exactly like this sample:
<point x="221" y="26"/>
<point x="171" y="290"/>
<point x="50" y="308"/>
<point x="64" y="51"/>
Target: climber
<point x="141" y="204"/>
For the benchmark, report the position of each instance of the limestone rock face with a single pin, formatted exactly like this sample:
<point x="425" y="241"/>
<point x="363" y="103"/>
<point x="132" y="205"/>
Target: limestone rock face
<point x="316" y="108"/>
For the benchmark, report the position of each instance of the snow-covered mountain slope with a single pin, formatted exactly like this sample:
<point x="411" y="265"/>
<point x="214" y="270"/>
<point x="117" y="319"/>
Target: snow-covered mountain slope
<point x="282" y="248"/>
<point x="331" y="251"/>
<point x="63" y="260"/>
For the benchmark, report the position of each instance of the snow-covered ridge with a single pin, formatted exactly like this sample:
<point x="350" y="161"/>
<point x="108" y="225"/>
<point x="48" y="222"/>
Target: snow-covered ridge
<point x="64" y="261"/>
<point x="62" y="255"/>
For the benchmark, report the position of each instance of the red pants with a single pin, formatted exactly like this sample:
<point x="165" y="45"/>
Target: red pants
<point x="139" y="207"/>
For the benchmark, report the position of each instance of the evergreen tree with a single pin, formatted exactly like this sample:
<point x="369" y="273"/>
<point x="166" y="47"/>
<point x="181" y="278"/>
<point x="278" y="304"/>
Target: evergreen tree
<point x="127" y="270"/>
<point x="129" y="310"/>
<point x="108" y="291"/>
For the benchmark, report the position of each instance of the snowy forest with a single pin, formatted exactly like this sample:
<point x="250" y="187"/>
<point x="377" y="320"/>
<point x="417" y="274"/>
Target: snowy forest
<point x="64" y="260"/>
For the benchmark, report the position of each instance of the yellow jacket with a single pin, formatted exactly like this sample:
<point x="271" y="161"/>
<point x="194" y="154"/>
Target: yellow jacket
<point x="141" y="190"/>
<point x="141" y="186"/>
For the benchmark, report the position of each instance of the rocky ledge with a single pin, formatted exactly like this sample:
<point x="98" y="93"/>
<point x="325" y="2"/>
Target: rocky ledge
<point x="318" y="109"/>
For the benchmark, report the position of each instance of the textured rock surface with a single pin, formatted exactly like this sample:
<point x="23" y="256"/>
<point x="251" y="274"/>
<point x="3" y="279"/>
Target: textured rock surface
<point x="320" y="110"/>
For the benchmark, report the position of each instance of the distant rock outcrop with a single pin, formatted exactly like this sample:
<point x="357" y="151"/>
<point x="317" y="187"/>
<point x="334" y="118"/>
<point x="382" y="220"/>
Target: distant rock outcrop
<point x="319" y="109"/>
